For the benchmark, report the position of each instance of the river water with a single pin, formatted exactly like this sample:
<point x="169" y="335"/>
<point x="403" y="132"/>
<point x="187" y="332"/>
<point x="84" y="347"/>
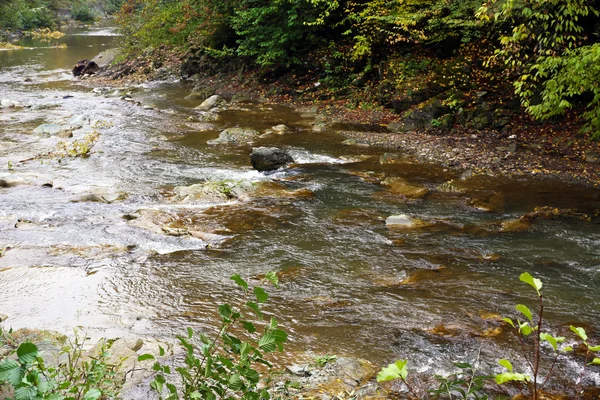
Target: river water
<point x="350" y="285"/>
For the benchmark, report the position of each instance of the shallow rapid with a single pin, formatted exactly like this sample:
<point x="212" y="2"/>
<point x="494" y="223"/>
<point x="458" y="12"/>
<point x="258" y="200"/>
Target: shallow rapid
<point x="103" y="241"/>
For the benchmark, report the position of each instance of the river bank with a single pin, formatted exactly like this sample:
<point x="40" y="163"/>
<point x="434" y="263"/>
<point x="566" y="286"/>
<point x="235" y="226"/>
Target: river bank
<point x="519" y="148"/>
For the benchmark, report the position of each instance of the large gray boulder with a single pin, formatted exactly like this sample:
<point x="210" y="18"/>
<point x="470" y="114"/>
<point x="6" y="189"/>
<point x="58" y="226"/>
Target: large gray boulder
<point x="269" y="158"/>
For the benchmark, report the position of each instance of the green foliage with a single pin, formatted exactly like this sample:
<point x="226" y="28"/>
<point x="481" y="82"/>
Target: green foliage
<point x="80" y="377"/>
<point x="322" y="361"/>
<point x="225" y="366"/>
<point x="464" y="384"/>
<point x="26" y="15"/>
<point x="82" y="11"/>
<point x="532" y="337"/>
<point x="551" y="54"/>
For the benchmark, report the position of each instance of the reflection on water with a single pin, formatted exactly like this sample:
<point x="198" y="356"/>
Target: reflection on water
<point x="102" y="242"/>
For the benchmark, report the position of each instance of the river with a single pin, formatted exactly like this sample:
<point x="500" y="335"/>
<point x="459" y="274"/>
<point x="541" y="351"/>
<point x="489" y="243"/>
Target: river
<point x="350" y="284"/>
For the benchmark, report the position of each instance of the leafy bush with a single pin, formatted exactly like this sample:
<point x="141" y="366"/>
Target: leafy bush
<point x="549" y="51"/>
<point x="225" y="366"/>
<point x="80" y="377"/>
<point x="82" y="11"/>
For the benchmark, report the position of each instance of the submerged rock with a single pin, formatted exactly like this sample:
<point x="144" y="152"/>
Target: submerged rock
<point x="401" y="186"/>
<point x="269" y="158"/>
<point x="48" y="130"/>
<point x="236" y="136"/>
<point x="280" y="129"/>
<point x="404" y="221"/>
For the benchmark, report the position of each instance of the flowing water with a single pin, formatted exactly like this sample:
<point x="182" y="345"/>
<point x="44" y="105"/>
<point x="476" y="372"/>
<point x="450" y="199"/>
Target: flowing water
<point x="350" y="285"/>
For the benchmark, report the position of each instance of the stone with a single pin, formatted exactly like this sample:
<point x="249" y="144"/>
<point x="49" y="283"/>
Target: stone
<point x="46" y="130"/>
<point x="6" y="103"/>
<point x="236" y="136"/>
<point x="591" y="156"/>
<point x="201" y="95"/>
<point x="403" y="221"/>
<point x="85" y="67"/>
<point x="210" y="103"/>
<point x="354" y="142"/>
<point x="353" y="159"/>
<point x="401" y="186"/>
<point x="515" y="226"/>
<point x="421" y="117"/>
<point x="280" y="129"/>
<point x="269" y="158"/>
<point x="390" y="158"/>
<point x="3" y="317"/>
<point x="8" y="181"/>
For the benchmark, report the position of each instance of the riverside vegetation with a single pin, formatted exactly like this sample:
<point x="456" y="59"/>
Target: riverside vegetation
<point x="440" y="55"/>
<point x="230" y="365"/>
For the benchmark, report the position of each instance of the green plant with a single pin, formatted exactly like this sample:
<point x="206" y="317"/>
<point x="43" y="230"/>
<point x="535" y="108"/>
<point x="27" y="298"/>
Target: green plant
<point x="464" y="384"/>
<point x="80" y="377"/>
<point x="322" y="361"/>
<point x="436" y="123"/>
<point x="530" y="335"/>
<point x="82" y="11"/>
<point x="225" y="366"/>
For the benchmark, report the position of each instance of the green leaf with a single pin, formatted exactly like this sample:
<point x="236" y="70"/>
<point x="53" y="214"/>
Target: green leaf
<point x="550" y="339"/>
<point x="594" y="348"/>
<point x="225" y="311"/>
<point x="595" y="361"/>
<point x="530" y="280"/>
<point x="26" y="393"/>
<point x="393" y="371"/>
<point x="235" y="382"/>
<point x="567" y="349"/>
<point x="510" y="376"/>
<point x="509" y="321"/>
<point x="272" y="277"/>
<point x="579" y="332"/>
<point x="254" y="307"/>
<point x="190" y="333"/>
<point x="161" y="351"/>
<point x="268" y="343"/>
<point x="525" y="329"/>
<point x="10" y="371"/>
<point x="261" y="295"/>
<point x="27" y="353"/>
<point x="506" y="364"/>
<point x="145" y="357"/>
<point x="240" y="282"/>
<point x="249" y="326"/>
<point x="92" y="394"/>
<point x="523" y="309"/>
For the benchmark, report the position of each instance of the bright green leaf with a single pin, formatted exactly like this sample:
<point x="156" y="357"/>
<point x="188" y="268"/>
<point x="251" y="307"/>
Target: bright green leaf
<point x="272" y="277"/>
<point x="240" y="282"/>
<point x="530" y="280"/>
<point x="26" y="393"/>
<point x="506" y="364"/>
<point x="509" y="321"/>
<point x="27" y="353"/>
<point x="550" y="339"/>
<point x="261" y="295"/>
<point x="595" y="361"/>
<point x="594" y="348"/>
<point x="11" y="372"/>
<point x="145" y="357"/>
<point x="579" y="332"/>
<point x="92" y="394"/>
<point x="523" y="309"/>
<point x="397" y="370"/>
<point x="510" y="376"/>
